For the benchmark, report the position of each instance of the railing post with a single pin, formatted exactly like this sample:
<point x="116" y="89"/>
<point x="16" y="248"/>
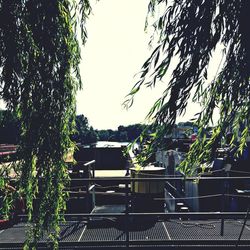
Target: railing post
<point x="93" y="192"/>
<point x="127" y="214"/>
<point x="243" y="226"/>
<point x="222" y="210"/>
<point x="93" y="169"/>
<point x="88" y="198"/>
<point x="90" y="165"/>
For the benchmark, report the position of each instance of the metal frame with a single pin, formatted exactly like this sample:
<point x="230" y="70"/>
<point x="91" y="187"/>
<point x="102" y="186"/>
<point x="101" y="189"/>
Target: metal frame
<point x="128" y="243"/>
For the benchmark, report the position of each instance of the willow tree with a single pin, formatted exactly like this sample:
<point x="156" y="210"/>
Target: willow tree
<point x="189" y="32"/>
<point x="39" y="58"/>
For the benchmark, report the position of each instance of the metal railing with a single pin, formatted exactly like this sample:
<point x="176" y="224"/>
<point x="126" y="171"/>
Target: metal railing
<point x="91" y="184"/>
<point x="222" y="215"/>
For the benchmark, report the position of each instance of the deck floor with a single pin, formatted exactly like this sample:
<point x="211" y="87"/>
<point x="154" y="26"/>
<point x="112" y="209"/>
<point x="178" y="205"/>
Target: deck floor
<point x="110" y="229"/>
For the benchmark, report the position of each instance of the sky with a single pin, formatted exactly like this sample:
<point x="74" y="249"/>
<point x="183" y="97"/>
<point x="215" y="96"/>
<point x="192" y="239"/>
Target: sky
<point x="116" y="48"/>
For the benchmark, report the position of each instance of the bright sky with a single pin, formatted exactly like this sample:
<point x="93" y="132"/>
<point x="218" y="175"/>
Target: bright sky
<point x="116" y="48"/>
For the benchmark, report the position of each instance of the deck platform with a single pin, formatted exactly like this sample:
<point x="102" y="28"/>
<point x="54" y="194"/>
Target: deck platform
<point x="110" y="232"/>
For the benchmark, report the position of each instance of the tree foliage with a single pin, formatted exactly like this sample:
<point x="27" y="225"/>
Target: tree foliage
<point x="39" y="58"/>
<point x="123" y="134"/>
<point x="189" y="31"/>
<point x="9" y="127"/>
<point x="84" y="133"/>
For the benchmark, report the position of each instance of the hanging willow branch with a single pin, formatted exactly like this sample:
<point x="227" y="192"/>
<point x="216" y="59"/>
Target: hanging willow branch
<point x="39" y="58"/>
<point x="190" y="31"/>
